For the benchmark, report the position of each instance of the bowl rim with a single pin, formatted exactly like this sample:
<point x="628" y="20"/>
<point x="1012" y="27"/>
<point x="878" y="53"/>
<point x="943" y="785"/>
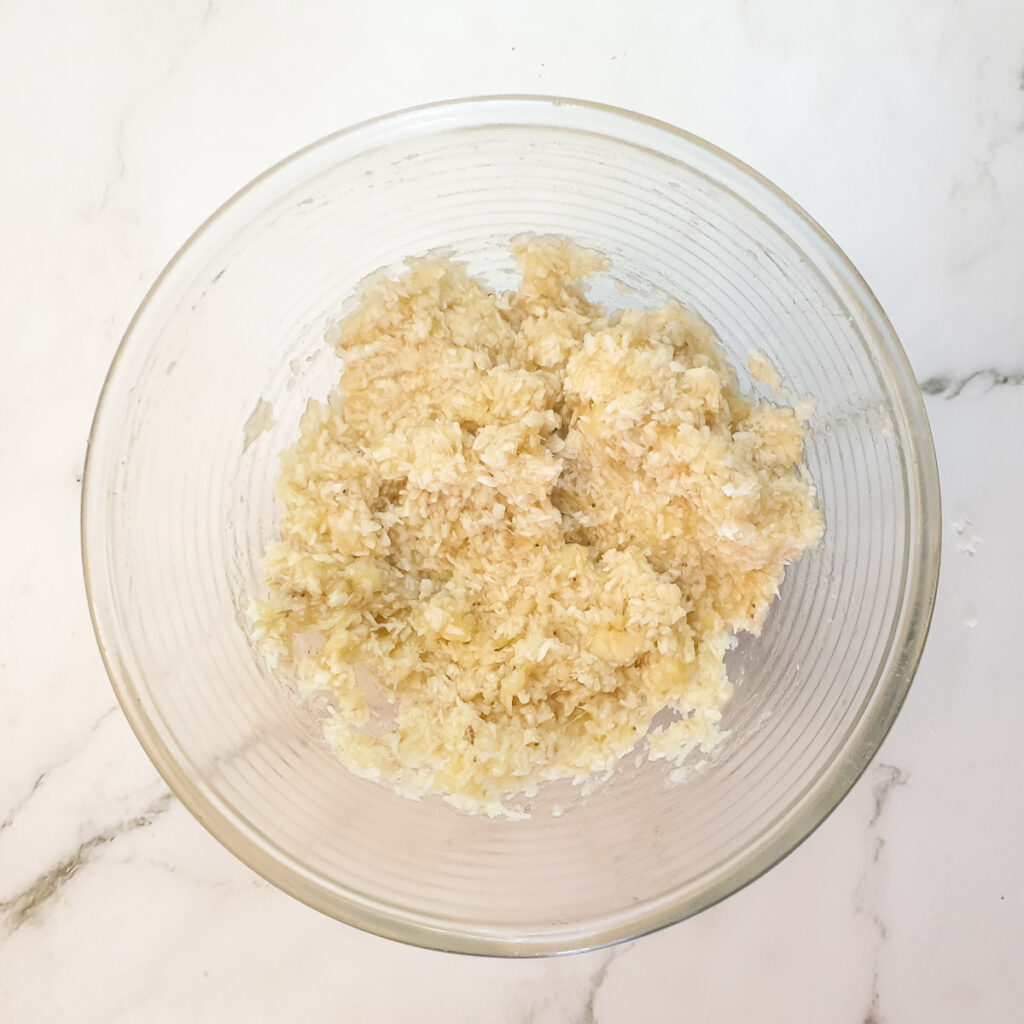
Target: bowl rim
<point x="915" y="610"/>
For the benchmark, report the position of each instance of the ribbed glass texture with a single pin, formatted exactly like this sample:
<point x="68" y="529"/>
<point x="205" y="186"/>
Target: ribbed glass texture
<point x="177" y="512"/>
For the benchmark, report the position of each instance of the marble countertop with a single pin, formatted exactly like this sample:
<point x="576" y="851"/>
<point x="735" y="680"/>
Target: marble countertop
<point x="899" y="124"/>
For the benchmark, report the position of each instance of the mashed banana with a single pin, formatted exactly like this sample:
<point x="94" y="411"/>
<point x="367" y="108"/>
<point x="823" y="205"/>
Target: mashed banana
<point x="522" y="527"/>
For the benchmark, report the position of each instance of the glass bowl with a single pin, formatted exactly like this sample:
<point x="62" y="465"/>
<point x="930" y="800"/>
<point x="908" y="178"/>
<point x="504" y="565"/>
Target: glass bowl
<point x="178" y="509"/>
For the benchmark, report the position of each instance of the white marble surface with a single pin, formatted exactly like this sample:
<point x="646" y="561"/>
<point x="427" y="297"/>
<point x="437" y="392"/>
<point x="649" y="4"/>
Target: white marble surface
<point x="897" y="123"/>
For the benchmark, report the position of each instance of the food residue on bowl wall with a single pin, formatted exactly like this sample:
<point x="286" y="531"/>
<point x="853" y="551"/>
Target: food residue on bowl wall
<point x="260" y="420"/>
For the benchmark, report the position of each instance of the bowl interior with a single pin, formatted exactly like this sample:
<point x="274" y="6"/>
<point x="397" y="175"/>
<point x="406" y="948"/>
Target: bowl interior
<point x="179" y="508"/>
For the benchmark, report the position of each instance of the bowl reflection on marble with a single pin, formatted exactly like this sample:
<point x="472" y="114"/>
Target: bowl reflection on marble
<point x="178" y="509"/>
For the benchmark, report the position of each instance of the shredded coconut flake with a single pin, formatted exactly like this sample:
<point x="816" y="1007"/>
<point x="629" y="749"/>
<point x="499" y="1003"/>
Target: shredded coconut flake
<point x="762" y="369"/>
<point x="534" y="523"/>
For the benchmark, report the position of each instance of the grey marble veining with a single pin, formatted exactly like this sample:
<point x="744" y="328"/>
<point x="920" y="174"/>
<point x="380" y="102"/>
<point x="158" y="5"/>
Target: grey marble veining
<point x="23" y="905"/>
<point x="884" y="778"/>
<point x="985" y="380"/>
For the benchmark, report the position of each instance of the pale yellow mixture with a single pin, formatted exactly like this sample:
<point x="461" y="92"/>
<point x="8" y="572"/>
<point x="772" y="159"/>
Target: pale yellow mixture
<point x="522" y="527"/>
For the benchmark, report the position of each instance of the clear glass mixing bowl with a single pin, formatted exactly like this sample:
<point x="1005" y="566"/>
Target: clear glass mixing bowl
<point x="178" y="509"/>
